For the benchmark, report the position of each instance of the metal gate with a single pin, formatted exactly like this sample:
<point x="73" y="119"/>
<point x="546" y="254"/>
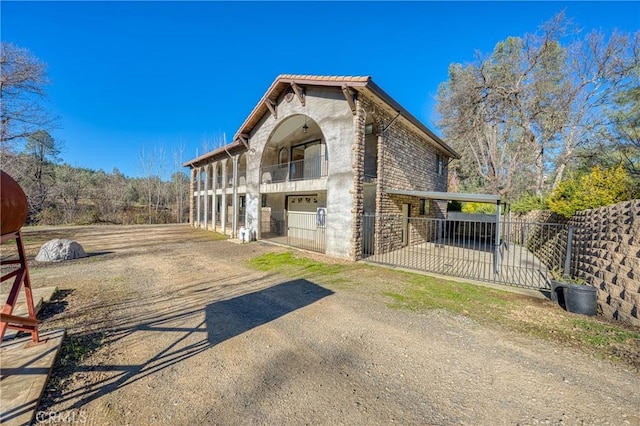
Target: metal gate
<point x="524" y="255"/>
<point x="305" y="230"/>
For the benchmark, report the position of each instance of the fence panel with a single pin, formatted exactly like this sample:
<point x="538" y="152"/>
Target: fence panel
<point x="305" y="230"/>
<point x="526" y="255"/>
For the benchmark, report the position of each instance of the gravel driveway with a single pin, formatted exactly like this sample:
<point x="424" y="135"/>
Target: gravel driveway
<point x="190" y="335"/>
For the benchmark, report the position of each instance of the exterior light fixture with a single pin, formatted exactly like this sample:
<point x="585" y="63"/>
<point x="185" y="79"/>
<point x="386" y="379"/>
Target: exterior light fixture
<point x="305" y="127"/>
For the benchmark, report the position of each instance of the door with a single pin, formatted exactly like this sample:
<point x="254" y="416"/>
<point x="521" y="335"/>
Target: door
<point x="406" y="209"/>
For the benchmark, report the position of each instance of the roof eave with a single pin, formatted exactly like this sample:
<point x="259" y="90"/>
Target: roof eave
<point x="377" y="90"/>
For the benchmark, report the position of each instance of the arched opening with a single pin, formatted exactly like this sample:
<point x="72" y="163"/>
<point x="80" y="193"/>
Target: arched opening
<point x="209" y="176"/>
<point x="296" y="150"/>
<point x="294" y="161"/>
<point x="229" y="173"/>
<point x="242" y="169"/>
<point x="218" y="175"/>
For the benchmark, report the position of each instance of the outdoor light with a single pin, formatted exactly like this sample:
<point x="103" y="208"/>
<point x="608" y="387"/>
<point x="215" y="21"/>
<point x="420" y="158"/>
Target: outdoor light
<point x="305" y="127"/>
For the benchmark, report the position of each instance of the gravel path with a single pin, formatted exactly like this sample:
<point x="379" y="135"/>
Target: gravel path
<point x="205" y="340"/>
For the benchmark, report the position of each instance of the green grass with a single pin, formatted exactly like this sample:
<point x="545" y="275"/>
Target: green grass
<point x="601" y="335"/>
<point x="492" y="307"/>
<point x="289" y="264"/>
<point x="423" y="292"/>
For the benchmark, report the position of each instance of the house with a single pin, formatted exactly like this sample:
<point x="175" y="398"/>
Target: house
<point x="315" y="158"/>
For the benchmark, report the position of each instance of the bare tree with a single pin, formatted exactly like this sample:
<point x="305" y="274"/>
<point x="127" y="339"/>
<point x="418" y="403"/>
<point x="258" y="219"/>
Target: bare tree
<point x="598" y="70"/>
<point x="178" y="186"/>
<point x="152" y="166"/>
<point x="72" y="186"/>
<point x="22" y="92"/>
<point x="517" y="115"/>
<point x="38" y="174"/>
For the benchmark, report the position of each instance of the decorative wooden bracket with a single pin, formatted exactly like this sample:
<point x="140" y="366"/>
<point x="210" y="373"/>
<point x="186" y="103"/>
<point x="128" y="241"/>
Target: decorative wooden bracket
<point x="244" y="138"/>
<point x="350" y="97"/>
<point x="273" y="108"/>
<point x="299" y="92"/>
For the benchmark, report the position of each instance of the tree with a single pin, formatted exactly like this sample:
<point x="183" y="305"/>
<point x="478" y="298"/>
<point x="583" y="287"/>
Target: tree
<point x="72" y="185"/>
<point x="179" y="188"/>
<point x="619" y="144"/>
<point x="518" y="115"/>
<point x="599" y="70"/>
<point x="589" y="191"/>
<point x="152" y="166"/>
<point x="40" y="155"/>
<point x="22" y="90"/>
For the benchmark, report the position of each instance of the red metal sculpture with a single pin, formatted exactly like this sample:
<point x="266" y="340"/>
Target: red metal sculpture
<point x="13" y="214"/>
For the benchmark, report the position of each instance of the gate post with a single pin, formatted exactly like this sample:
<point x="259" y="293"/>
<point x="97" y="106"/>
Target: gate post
<point x="567" y="258"/>
<point x="496" y="251"/>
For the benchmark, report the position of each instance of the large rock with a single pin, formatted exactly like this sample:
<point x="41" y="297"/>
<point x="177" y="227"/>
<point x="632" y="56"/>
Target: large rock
<point x="60" y="249"/>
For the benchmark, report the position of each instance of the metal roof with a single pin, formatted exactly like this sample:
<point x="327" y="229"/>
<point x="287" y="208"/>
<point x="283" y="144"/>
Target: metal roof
<point x="450" y="196"/>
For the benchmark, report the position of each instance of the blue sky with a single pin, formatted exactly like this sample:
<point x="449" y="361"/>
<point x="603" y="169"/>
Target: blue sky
<point x="128" y="76"/>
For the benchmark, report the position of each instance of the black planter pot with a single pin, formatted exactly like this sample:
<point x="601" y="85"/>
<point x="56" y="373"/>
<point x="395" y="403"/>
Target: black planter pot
<point x="576" y="298"/>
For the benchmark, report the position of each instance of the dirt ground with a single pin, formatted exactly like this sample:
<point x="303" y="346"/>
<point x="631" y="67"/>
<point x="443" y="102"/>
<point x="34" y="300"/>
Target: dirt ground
<point x="168" y="326"/>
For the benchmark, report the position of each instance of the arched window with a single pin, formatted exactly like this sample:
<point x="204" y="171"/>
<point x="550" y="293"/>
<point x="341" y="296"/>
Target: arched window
<point x="283" y="156"/>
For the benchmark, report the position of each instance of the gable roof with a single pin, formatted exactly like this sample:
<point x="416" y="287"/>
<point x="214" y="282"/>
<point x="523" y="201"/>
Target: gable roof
<point x="360" y="84"/>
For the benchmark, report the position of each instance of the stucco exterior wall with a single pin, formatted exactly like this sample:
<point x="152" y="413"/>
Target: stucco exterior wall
<point x="328" y="108"/>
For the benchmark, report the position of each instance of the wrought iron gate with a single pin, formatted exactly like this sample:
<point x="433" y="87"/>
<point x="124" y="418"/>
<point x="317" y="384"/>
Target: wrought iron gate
<point x="305" y="230"/>
<point x="524" y="255"/>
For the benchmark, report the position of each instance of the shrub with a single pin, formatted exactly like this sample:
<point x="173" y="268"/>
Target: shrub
<point x="528" y="203"/>
<point x="480" y="208"/>
<point x="595" y="189"/>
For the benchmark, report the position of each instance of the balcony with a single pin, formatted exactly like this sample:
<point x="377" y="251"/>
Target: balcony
<point x="308" y="168"/>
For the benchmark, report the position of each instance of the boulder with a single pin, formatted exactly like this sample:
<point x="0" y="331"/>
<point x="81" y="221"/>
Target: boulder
<point x="60" y="249"/>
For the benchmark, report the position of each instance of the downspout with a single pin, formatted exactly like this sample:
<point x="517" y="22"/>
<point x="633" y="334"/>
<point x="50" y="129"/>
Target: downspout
<point x="391" y="122"/>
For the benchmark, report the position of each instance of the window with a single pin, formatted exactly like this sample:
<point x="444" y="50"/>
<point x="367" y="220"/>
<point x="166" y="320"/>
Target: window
<point x="307" y="160"/>
<point x="368" y="129"/>
<point x="439" y="164"/>
<point x="424" y="207"/>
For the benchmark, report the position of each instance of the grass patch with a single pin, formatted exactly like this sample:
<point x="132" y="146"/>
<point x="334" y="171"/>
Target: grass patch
<point x="535" y="317"/>
<point x="289" y="264"/>
<point x="600" y="334"/>
<point x="425" y="292"/>
<point x="493" y="307"/>
<point x="214" y="236"/>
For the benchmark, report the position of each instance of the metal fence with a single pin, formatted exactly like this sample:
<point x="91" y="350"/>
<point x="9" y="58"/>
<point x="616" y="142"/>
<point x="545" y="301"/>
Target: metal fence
<point x="308" y="168"/>
<point x="305" y="230"/>
<point x="525" y="254"/>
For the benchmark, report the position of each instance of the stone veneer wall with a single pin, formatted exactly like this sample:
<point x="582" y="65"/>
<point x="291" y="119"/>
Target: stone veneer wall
<point x="406" y="161"/>
<point x="607" y="242"/>
<point x="357" y="164"/>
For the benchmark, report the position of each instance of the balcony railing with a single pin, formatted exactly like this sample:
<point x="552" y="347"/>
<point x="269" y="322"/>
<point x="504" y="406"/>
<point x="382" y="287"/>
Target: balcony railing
<point x="309" y="168"/>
